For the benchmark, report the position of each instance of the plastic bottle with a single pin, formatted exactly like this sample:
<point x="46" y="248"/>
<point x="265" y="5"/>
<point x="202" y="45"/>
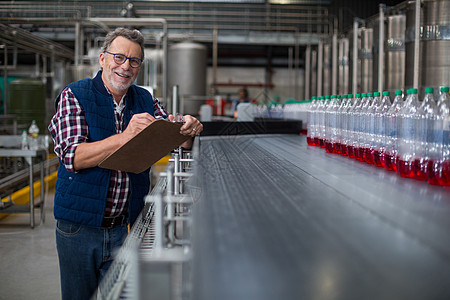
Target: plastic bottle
<point x="346" y="105"/>
<point x="317" y="117"/>
<point x="310" y="125"/>
<point x="331" y="125"/>
<point x="24" y="140"/>
<point x="364" y="126"/>
<point x="378" y="145"/>
<point x="336" y="133"/>
<point x="389" y="159"/>
<point x="357" y="127"/>
<point x="33" y="133"/>
<point x="322" y="125"/>
<point x="426" y="148"/>
<point x="440" y="170"/>
<point x="407" y="135"/>
<point x="352" y="133"/>
<point x="370" y="129"/>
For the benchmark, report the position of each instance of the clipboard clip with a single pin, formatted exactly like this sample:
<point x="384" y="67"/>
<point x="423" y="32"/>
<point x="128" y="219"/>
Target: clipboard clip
<point x="178" y="118"/>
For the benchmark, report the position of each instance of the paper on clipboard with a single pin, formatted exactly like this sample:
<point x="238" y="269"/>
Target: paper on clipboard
<point x="146" y="148"/>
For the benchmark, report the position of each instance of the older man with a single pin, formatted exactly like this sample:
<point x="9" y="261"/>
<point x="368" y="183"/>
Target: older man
<point x="94" y="117"/>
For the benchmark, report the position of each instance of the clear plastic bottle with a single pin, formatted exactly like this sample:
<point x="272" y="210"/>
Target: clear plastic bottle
<point x="331" y="125"/>
<point x="336" y="135"/>
<point x="322" y="119"/>
<point x="370" y="138"/>
<point x="310" y="125"/>
<point x="346" y="105"/>
<point x="378" y="146"/>
<point x="357" y="127"/>
<point x="364" y="127"/>
<point x="317" y="129"/>
<point x="440" y="169"/>
<point x="352" y="135"/>
<point x="426" y="148"/>
<point x="389" y="159"/>
<point x="24" y="140"/>
<point x="33" y="133"/>
<point x="407" y="135"/>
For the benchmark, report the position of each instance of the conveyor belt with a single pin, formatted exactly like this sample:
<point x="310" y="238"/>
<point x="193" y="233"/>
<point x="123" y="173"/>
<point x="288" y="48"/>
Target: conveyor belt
<point x="277" y="219"/>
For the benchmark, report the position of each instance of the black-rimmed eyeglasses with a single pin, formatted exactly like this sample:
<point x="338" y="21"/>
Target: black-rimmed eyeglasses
<point x="121" y="59"/>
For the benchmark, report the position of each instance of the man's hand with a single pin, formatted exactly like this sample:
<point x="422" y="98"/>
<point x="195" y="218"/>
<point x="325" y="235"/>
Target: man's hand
<point x="191" y="126"/>
<point x="137" y="123"/>
<point x="88" y="155"/>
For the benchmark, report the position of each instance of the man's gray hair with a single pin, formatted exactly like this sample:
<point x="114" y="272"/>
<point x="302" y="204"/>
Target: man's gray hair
<point x="133" y="35"/>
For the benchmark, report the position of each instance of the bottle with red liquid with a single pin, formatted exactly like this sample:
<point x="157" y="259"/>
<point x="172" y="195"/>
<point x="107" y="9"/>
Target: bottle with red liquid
<point x="352" y="135"/>
<point x="357" y="128"/>
<point x="439" y="173"/>
<point x="426" y="148"/>
<point x="311" y="130"/>
<point x="331" y="120"/>
<point x="322" y="126"/>
<point x="389" y="159"/>
<point x="364" y="128"/>
<point x="337" y="135"/>
<point x="370" y="138"/>
<point x="407" y="135"/>
<point x="344" y="119"/>
<point x="379" y="147"/>
<point x="319" y="107"/>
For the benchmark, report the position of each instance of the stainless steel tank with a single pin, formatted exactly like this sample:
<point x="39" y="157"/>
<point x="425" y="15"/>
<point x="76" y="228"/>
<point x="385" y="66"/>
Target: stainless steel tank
<point x="26" y="100"/>
<point x="434" y="58"/>
<point x="344" y="66"/>
<point x="326" y="81"/>
<point x="366" y="58"/>
<point x="394" y="68"/>
<point x="187" y="69"/>
<point x="394" y="53"/>
<point x="313" y="91"/>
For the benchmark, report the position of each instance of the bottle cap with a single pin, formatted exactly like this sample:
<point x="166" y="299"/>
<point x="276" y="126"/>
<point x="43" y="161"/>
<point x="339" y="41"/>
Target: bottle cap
<point x="363" y="95"/>
<point x="376" y="94"/>
<point x="413" y="91"/>
<point x="398" y="92"/>
<point x="369" y="95"/>
<point x="357" y="96"/>
<point x="444" y="89"/>
<point x="386" y="93"/>
<point x="327" y="97"/>
<point x="338" y="96"/>
<point x="350" y="96"/>
<point x="344" y="96"/>
<point x="333" y="96"/>
<point x="429" y="90"/>
<point x="313" y="98"/>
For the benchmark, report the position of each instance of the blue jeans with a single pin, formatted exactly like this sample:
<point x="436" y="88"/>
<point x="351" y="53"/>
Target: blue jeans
<point x="85" y="254"/>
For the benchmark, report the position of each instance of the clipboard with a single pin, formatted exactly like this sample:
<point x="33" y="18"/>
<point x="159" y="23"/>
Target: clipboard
<point x="146" y="148"/>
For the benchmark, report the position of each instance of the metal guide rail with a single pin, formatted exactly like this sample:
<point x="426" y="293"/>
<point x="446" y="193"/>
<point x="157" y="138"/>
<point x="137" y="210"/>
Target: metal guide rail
<point x="151" y="262"/>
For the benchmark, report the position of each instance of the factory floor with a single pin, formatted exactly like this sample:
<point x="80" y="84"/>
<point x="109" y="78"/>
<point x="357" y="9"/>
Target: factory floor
<point x="28" y="259"/>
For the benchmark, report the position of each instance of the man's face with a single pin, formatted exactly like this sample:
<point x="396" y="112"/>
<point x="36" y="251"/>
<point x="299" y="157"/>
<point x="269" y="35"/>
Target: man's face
<point x="118" y="78"/>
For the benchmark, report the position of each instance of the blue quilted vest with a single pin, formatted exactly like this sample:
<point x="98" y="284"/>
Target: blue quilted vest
<point x="80" y="197"/>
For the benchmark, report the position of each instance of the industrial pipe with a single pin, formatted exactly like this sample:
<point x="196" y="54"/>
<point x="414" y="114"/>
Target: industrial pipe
<point x="381" y="49"/>
<point x="334" y="63"/>
<point x="5" y="77"/>
<point x="307" y="70"/>
<point x="319" y="68"/>
<point x="417" y="46"/>
<point x="355" y="57"/>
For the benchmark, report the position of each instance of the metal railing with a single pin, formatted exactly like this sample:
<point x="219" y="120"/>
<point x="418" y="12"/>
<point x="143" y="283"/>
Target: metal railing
<point x="188" y="16"/>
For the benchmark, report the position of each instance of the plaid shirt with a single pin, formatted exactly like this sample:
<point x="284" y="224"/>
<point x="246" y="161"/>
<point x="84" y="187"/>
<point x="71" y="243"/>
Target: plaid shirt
<point x="68" y="128"/>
